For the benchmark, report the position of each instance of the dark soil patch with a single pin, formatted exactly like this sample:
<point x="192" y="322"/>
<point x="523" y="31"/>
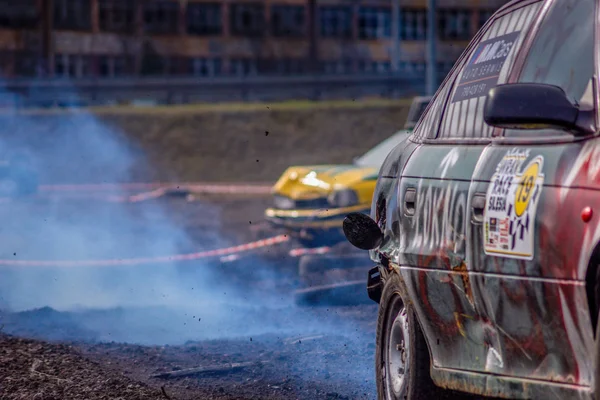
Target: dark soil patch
<point x="36" y="370"/>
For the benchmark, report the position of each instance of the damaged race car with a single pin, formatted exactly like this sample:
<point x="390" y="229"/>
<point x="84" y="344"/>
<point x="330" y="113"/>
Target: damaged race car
<point x="18" y="177"/>
<point x="485" y="222"/>
<point x="310" y="202"/>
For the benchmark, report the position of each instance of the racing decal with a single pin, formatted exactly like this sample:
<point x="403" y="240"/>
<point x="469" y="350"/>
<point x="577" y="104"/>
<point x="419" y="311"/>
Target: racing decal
<point x="483" y="70"/>
<point x="511" y="204"/>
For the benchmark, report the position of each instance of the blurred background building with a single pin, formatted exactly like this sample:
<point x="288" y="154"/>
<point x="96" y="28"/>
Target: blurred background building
<point x="122" y="38"/>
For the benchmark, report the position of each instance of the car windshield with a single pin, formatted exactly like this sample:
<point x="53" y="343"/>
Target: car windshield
<point x="376" y="156"/>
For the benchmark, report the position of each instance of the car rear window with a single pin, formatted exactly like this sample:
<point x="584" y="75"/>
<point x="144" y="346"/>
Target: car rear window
<point x="488" y="65"/>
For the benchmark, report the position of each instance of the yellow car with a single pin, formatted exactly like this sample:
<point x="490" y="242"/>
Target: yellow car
<point x="311" y="202"/>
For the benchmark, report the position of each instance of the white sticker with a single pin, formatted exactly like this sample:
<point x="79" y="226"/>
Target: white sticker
<point x="511" y="205"/>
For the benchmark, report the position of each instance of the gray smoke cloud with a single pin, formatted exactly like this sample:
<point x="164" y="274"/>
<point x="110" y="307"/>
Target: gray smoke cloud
<point x="155" y="304"/>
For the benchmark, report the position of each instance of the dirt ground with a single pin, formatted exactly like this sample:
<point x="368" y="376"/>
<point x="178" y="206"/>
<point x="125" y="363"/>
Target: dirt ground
<point x="106" y="331"/>
<point x="172" y="317"/>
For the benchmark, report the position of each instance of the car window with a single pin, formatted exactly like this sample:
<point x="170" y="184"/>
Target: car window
<point x="376" y="156"/>
<point x="562" y="54"/>
<point x="429" y="121"/>
<point x="488" y="65"/>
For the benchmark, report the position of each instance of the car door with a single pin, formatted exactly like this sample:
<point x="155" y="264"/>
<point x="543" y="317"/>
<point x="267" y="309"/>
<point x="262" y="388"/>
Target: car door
<point x="528" y="266"/>
<point x="435" y="191"/>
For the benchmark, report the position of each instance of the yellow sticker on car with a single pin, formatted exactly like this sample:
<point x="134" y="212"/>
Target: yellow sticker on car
<point x="525" y="188"/>
<point x="511" y="205"/>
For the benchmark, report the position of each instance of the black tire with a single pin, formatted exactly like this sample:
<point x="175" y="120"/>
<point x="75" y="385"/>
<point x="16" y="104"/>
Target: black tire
<point x="395" y="321"/>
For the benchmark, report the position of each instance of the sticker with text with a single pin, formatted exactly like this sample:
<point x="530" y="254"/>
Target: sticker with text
<point x="511" y="204"/>
<point x="483" y="70"/>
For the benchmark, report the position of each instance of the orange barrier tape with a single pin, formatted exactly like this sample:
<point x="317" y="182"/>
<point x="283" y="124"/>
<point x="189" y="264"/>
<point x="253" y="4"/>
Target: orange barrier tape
<point x="196" y="187"/>
<point x="302" y="252"/>
<point x="148" y="260"/>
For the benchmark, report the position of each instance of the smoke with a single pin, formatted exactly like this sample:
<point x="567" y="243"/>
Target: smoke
<point x="153" y="304"/>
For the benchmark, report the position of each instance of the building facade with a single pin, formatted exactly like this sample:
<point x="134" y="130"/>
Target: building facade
<point x="210" y="38"/>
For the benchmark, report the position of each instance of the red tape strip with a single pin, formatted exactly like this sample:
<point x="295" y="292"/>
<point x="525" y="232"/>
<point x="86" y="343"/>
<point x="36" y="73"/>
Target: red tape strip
<point x="197" y="187"/>
<point x="148" y="260"/>
<point x="302" y="252"/>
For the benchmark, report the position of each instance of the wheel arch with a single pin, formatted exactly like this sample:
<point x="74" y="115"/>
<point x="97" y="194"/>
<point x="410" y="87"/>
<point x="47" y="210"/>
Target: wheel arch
<point x="405" y="295"/>
<point x="592" y="286"/>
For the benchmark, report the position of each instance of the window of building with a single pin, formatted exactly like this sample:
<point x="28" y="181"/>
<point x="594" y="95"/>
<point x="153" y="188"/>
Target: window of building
<point x="161" y="16"/>
<point x="204" y="19"/>
<point x="373" y="67"/>
<point x="22" y="14"/>
<point x="104" y="66"/>
<point x="454" y="24"/>
<point x="413" y="24"/>
<point x="444" y="67"/>
<point x="243" y="66"/>
<point x="116" y="15"/>
<point x="122" y="66"/>
<point x="72" y="14"/>
<point x="26" y="64"/>
<point x="65" y="66"/>
<point x="365" y="66"/>
<point x="176" y="65"/>
<point x="283" y="66"/>
<point x="247" y="19"/>
<point x="336" y="21"/>
<point x="288" y="20"/>
<point x="205" y="66"/>
<point x="484" y="15"/>
<point x="374" y="22"/>
<point x="84" y="67"/>
<point x="413" y="67"/>
<point x="338" y="67"/>
<point x="115" y="66"/>
<point x="72" y="66"/>
<point x="6" y="63"/>
<point x="153" y="64"/>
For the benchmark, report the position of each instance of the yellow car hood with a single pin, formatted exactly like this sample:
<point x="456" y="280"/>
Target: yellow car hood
<point x="309" y="182"/>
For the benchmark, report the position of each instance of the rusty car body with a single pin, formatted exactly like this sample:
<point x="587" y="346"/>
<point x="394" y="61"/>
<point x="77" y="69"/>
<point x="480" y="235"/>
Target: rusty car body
<point x="485" y="222"/>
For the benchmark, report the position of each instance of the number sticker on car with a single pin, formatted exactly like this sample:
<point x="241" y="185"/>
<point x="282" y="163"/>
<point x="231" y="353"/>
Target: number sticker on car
<point x="511" y="205"/>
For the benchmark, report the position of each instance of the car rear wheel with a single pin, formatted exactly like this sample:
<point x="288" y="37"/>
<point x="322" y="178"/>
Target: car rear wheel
<point x="402" y="357"/>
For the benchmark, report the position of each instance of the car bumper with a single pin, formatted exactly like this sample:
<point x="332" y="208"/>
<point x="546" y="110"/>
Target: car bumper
<point x="319" y="219"/>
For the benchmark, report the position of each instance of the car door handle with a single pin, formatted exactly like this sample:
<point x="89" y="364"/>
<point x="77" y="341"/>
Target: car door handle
<point x="478" y="208"/>
<point x="409" y="201"/>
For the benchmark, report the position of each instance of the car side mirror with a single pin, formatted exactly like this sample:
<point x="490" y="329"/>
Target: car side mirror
<point x="535" y="106"/>
<point x="362" y="232"/>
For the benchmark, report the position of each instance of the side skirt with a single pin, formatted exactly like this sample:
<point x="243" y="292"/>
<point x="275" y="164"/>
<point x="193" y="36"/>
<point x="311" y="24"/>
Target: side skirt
<point x="505" y="386"/>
